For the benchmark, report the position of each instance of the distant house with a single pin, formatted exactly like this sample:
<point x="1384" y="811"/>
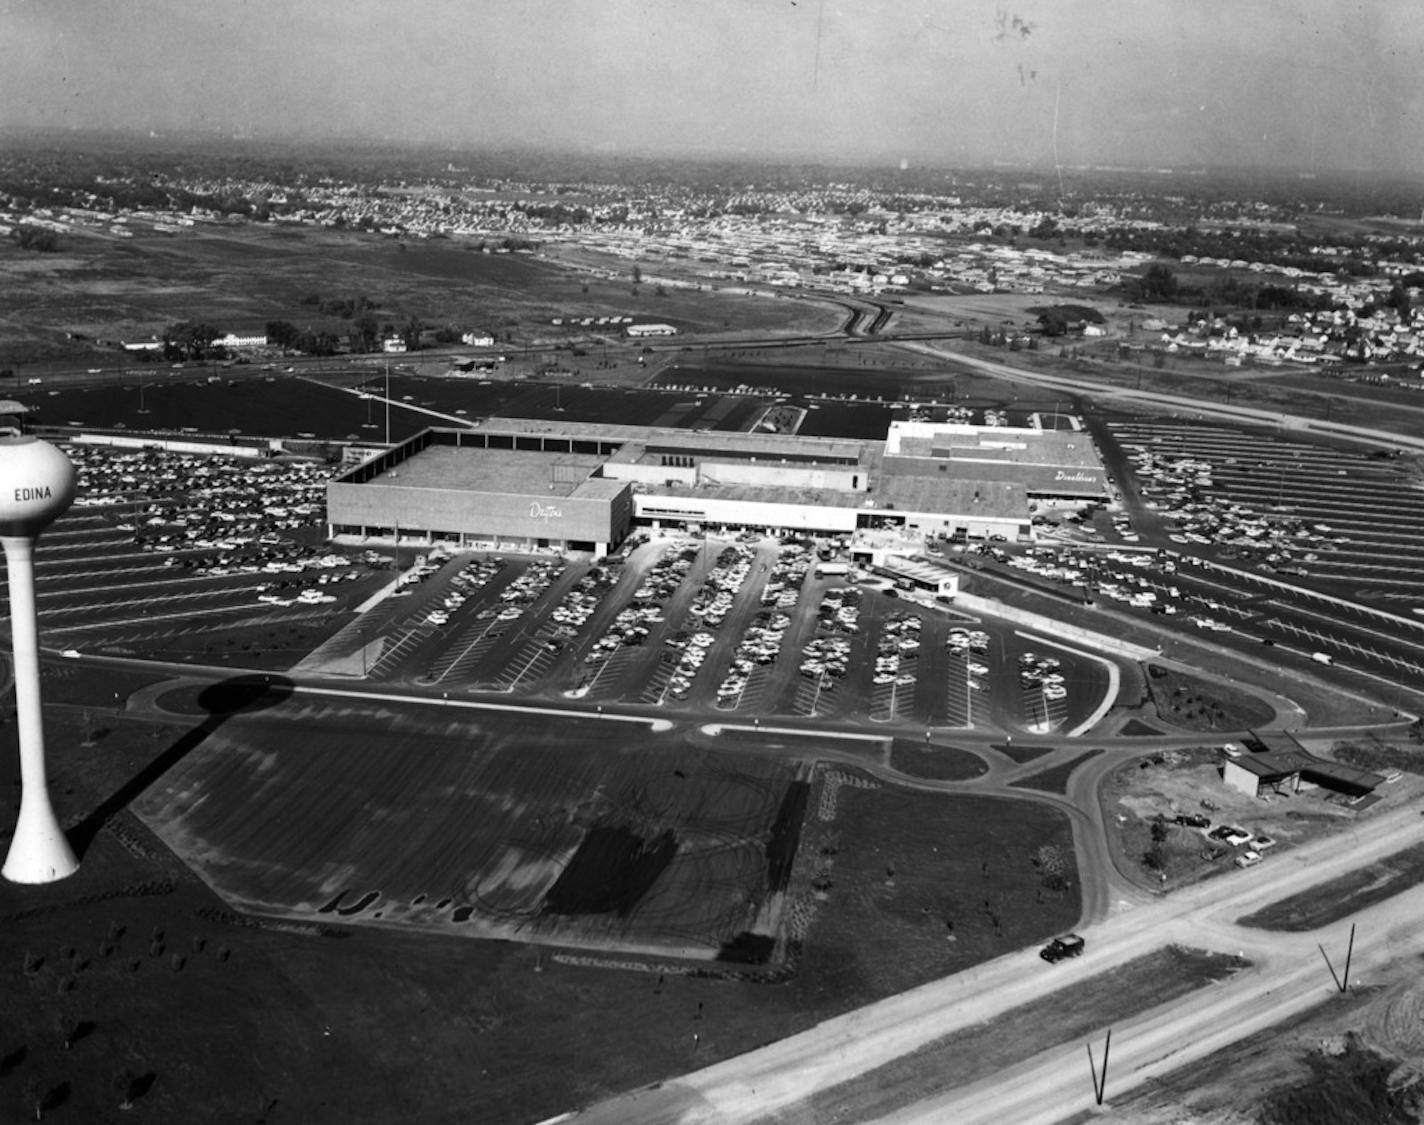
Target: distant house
<point x="393" y="344"/>
<point x="638" y="331"/>
<point x="143" y="346"/>
<point x="479" y="339"/>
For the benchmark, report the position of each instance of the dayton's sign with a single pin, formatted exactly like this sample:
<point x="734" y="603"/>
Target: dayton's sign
<point x="1077" y="478"/>
<point x="538" y="511"/>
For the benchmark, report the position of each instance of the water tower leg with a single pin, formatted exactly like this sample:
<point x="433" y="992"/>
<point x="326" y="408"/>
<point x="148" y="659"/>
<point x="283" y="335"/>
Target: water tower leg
<point x="39" y="853"/>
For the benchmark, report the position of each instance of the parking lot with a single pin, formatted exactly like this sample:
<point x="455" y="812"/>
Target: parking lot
<point x="164" y="546"/>
<point x="191" y="555"/>
<point x="1256" y="539"/>
<point x="741" y="626"/>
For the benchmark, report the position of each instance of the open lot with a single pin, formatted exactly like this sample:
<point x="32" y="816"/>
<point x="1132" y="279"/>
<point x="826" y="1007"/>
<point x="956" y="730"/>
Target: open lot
<point x="462" y="823"/>
<point x="241" y="277"/>
<point x="1143" y="798"/>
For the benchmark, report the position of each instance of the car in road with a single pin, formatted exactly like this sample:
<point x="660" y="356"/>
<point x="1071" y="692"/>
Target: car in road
<point x="1248" y="859"/>
<point x="1069" y="945"/>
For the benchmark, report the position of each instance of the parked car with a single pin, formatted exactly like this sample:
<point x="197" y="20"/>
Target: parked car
<point x="1069" y="945"/>
<point x="1248" y="859"/>
<point x="1193" y="820"/>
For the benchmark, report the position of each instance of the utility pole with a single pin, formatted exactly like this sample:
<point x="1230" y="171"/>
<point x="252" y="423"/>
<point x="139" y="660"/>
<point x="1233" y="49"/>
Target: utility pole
<point x="1100" y="1081"/>
<point x="1341" y="983"/>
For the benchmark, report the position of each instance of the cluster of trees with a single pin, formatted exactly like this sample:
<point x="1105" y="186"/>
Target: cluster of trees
<point x="344" y="307"/>
<point x="1278" y="248"/>
<point x="284" y="334"/>
<point x="1058" y="319"/>
<point x="40" y="239"/>
<point x="190" y="339"/>
<point x="366" y="334"/>
<point x="1160" y="284"/>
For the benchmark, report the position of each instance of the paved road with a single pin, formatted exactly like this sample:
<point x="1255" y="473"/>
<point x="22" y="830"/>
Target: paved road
<point x="1286" y="977"/>
<point x="1078" y="384"/>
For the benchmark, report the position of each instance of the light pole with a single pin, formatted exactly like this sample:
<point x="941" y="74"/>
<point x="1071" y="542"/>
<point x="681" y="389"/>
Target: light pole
<point x="36" y="486"/>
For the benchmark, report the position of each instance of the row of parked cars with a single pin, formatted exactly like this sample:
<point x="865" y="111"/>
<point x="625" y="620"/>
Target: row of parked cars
<point x="1231" y="836"/>
<point x="713" y="602"/>
<point x="579" y="604"/>
<point x="1042" y="673"/>
<point x="760" y="645"/>
<point x="631" y="626"/>
<point x="898" y="648"/>
<point x="1182" y="488"/>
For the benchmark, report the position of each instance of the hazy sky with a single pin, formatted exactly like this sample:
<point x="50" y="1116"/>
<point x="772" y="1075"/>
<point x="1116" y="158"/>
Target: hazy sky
<point x="1311" y="83"/>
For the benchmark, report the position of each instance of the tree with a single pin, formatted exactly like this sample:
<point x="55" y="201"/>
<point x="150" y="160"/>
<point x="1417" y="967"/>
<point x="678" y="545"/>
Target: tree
<point x="189" y="339"/>
<point x="366" y="332"/>
<point x="1159" y="283"/>
<point x="410" y="332"/>
<point x="315" y="343"/>
<point x="28" y="237"/>
<point x="637" y="274"/>
<point x="1399" y="301"/>
<point x="282" y="333"/>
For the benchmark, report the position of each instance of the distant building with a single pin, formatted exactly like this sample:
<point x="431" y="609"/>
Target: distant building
<point x="235" y="340"/>
<point x="478" y="339"/>
<point x="638" y="331"/>
<point x="12" y="417"/>
<point x="392" y="345"/>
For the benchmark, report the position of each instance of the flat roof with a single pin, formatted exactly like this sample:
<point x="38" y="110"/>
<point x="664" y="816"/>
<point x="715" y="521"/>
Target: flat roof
<point x="770" y="446"/>
<point x="952" y="496"/>
<point x="510" y="471"/>
<point x="993" y="444"/>
<point x="1285" y="756"/>
<point x="759" y="493"/>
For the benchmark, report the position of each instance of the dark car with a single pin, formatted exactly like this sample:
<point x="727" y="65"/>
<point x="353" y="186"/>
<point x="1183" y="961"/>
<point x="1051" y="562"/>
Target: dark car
<point x="1192" y="820"/>
<point x="1069" y="945"/>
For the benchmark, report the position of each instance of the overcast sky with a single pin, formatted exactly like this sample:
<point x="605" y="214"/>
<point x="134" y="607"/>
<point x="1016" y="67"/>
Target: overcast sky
<point x="1316" y="84"/>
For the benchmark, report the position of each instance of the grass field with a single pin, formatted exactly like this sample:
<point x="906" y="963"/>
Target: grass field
<point x="1071" y="1013"/>
<point x="1194" y="703"/>
<point x="1055" y="779"/>
<point x="321" y="1017"/>
<point x="241" y="277"/>
<point x="1344" y="896"/>
<point x="943" y="763"/>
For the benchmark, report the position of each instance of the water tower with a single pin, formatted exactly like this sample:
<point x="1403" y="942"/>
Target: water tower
<point x="36" y="486"/>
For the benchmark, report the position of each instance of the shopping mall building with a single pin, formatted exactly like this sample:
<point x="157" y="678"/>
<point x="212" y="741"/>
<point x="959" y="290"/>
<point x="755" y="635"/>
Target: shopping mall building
<point x="521" y="485"/>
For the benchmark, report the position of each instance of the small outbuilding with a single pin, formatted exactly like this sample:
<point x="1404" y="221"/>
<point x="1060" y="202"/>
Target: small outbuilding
<point x="1286" y="767"/>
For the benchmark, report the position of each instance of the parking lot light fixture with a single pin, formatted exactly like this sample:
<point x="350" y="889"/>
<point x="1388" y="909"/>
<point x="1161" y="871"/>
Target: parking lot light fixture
<point x="37" y="484"/>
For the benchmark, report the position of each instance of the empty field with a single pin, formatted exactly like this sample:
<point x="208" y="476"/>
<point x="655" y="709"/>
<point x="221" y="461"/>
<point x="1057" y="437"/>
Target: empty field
<point x="487" y="825"/>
